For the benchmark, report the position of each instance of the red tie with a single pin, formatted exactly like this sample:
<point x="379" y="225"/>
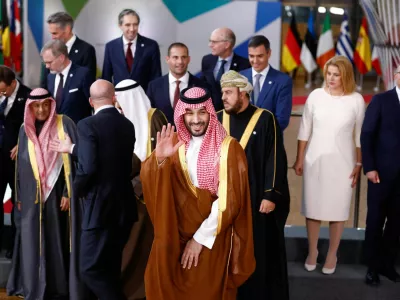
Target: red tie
<point x="129" y="57"/>
<point x="176" y="94"/>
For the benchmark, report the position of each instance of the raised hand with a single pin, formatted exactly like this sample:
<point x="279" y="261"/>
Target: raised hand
<point x="63" y="146"/>
<point x="165" y="143"/>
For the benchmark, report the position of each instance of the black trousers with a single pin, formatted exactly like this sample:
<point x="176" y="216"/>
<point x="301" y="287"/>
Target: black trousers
<point x="7" y="177"/>
<point x="100" y="261"/>
<point x="383" y="223"/>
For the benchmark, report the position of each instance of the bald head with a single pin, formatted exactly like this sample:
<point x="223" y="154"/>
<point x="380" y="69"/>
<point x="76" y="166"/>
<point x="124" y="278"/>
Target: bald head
<point x="102" y="90"/>
<point x="222" y="41"/>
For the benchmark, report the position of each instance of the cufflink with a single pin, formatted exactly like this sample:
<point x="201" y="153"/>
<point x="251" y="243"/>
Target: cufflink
<point x="76" y="51"/>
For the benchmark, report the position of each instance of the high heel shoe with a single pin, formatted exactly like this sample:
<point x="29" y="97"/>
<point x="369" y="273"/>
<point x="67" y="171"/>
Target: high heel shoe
<point x="328" y="271"/>
<point x="308" y="267"/>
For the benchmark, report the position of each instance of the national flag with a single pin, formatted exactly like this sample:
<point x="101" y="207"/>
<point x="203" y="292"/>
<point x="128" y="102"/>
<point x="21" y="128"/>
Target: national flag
<point x="15" y="35"/>
<point x="291" y="48"/>
<point x="362" y="55"/>
<point x="344" y="45"/>
<point x="376" y="64"/>
<point x="325" y="49"/>
<point x="309" y="47"/>
<point x="5" y="34"/>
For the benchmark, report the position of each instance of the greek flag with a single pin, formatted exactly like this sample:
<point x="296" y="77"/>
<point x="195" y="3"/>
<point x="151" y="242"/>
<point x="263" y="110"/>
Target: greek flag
<point x="344" y="46"/>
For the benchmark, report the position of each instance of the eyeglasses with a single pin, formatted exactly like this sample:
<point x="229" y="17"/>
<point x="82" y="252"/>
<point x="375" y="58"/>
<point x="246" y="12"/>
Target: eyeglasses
<point x="215" y="42"/>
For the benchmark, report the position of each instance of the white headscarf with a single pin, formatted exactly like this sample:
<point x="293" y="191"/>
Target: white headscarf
<point x="135" y="105"/>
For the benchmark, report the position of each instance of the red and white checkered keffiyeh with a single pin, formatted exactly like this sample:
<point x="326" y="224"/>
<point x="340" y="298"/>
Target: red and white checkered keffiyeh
<point x="45" y="158"/>
<point x="208" y="160"/>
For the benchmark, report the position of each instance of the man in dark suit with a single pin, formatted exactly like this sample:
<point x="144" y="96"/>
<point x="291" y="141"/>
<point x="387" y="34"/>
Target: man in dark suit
<point x="164" y="92"/>
<point x="60" y="25"/>
<point x="68" y="83"/>
<point x="272" y="88"/>
<point x="131" y="56"/>
<point x="380" y="145"/>
<point x="12" y="106"/>
<point x="103" y="182"/>
<point x="221" y="60"/>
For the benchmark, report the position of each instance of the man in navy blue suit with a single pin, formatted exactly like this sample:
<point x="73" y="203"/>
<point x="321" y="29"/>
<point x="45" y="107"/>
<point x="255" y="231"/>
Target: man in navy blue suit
<point x="131" y="56"/>
<point x="221" y="60"/>
<point x="67" y="82"/>
<point x="60" y="25"/>
<point x="272" y="88"/>
<point x="164" y="92"/>
<point x="380" y="145"/>
<point x="103" y="182"/>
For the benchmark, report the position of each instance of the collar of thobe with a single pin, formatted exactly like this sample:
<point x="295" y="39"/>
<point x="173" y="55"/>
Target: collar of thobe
<point x="228" y="59"/>
<point x="264" y="72"/>
<point x="192" y="156"/>
<point x="126" y="42"/>
<point x="70" y="42"/>
<point x="398" y="92"/>
<point x="183" y="79"/>
<point x="103" y="107"/>
<point x="66" y="71"/>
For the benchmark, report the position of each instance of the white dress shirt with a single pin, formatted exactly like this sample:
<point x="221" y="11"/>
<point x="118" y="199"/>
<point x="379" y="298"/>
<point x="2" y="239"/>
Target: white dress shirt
<point x="398" y="92"/>
<point x="184" y="82"/>
<point x="262" y="78"/>
<point x="227" y="66"/>
<point x="70" y="42"/>
<point x="65" y="73"/>
<point x="133" y="47"/>
<point x="205" y="235"/>
<point x="11" y="99"/>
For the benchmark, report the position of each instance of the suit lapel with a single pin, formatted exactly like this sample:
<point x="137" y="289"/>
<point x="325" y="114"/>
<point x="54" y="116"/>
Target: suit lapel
<point x="395" y="107"/>
<point x="51" y="83"/>
<point x="165" y="93"/>
<point x="140" y="45"/>
<point x="268" y="84"/>
<point x="234" y="64"/>
<point x="121" y="54"/>
<point x="74" y="50"/>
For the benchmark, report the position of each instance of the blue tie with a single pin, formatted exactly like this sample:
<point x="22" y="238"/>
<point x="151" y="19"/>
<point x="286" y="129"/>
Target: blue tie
<point x="221" y="70"/>
<point x="3" y="106"/>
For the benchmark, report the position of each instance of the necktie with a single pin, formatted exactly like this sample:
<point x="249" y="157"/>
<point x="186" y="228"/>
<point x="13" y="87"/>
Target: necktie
<point x="176" y="94"/>
<point x="59" y="92"/>
<point x="3" y="106"/>
<point x="221" y="70"/>
<point x="129" y="57"/>
<point x="256" y="89"/>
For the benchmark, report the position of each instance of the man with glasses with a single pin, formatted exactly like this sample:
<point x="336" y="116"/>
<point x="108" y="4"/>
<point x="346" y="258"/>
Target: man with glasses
<point x="67" y="82"/>
<point x="12" y="106"/>
<point x="221" y="60"/>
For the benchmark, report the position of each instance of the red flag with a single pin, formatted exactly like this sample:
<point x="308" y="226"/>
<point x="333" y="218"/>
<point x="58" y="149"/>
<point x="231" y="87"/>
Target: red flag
<point x="375" y="62"/>
<point x="15" y="35"/>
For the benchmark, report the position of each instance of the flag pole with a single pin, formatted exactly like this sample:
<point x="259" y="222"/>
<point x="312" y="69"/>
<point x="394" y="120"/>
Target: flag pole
<point x="309" y="79"/>
<point x="378" y="82"/>
<point x="359" y="87"/>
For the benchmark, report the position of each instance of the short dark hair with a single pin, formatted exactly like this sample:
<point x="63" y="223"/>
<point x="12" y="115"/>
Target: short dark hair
<point x="62" y="19"/>
<point x="177" y="45"/>
<point x="259" y="40"/>
<point x="6" y="75"/>
<point x="126" y="12"/>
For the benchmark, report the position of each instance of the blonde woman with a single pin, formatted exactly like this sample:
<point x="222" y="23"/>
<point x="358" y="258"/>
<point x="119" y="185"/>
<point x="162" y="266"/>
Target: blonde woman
<point x="329" y="156"/>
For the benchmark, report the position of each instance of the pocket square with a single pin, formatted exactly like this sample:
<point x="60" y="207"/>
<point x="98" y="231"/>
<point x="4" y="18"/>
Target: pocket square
<point x="73" y="90"/>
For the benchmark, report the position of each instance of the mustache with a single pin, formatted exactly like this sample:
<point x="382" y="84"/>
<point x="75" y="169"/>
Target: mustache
<point x="198" y="123"/>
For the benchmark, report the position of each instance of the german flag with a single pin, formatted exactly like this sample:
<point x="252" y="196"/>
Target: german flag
<point x="5" y="35"/>
<point x="291" y="48"/>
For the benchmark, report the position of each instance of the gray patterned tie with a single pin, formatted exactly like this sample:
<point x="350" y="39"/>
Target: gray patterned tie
<point x="256" y="89"/>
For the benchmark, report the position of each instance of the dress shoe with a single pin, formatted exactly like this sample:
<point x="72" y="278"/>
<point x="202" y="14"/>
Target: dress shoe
<point x="308" y="267"/>
<point x="390" y="273"/>
<point x="372" y="278"/>
<point x="9" y="254"/>
<point x="328" y="271"/>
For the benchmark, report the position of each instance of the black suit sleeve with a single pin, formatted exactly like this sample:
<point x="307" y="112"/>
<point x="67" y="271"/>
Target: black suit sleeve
<point x="87" y="158"/>
<point x="150" y="95"/>
<point x="156" y="65"/>
<point x="43" y="78"/>
<point x="89" y="61"/>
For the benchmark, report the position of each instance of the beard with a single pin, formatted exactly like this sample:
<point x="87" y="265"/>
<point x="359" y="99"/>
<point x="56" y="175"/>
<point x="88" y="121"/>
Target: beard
<point x="197" y="133"/>
<point x="234" y="109"/>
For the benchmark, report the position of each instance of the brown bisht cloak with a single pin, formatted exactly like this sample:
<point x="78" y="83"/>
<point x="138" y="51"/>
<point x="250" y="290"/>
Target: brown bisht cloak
<point x="137" y="249"/>
<point x="177" y="209"/>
